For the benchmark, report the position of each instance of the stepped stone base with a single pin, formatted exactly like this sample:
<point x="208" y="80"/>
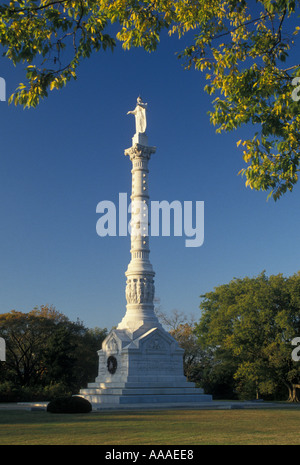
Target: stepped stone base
<point x="141" y="367"/>
<point x="139" y="396"/>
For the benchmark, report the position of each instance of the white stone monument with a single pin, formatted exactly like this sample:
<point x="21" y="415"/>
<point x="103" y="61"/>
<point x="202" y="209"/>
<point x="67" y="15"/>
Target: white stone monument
<point x="140" y="362"/>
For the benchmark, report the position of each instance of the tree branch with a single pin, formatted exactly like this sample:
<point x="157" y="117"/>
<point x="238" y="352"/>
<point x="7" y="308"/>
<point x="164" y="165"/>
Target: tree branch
<point x="37" y="8"/>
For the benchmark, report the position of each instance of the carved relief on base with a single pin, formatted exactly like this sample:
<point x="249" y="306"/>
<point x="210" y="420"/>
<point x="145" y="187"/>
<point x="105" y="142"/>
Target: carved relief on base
<point x="156" y="344"/>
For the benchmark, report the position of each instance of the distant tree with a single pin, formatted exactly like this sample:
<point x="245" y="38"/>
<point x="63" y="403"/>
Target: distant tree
<point x="44" y="347"/>
<point x="182" y="328"/>
<point x="174" y="319"/>
<point x="26" y="337"/>
<point x="86" y="357"/>
<point x="248" y="325"/>
<point x="242" y="46"/>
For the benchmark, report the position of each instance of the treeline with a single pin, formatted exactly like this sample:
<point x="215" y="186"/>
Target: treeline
<point x="47" y="355"/>
<point x="240" y="347"/>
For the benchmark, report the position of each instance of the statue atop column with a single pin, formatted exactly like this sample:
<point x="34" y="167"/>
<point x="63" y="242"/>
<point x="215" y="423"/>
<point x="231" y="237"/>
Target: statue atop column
<point x="140" y="121"/>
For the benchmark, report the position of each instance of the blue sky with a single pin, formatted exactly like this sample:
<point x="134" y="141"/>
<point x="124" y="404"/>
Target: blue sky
<point x="59" y="160"/>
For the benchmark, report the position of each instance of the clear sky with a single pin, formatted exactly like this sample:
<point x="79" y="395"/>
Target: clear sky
<point x="59" y="160"/>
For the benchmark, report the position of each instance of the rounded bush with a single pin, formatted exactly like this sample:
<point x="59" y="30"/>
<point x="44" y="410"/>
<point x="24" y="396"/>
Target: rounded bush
<point x="69" y="404"/>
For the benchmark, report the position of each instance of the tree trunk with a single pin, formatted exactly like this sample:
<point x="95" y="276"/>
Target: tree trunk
<point x="294" y="390"/>
<point x="289" y="388"/>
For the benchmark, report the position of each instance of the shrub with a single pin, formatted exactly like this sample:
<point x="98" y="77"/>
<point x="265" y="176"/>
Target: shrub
<point x="9" y="392"/>
<point x="69" y="404"/>
<point x="53" y="391"/>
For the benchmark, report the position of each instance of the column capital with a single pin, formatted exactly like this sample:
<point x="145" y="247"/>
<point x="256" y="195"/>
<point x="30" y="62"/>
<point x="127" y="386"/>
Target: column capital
<point x="140" y="151"/>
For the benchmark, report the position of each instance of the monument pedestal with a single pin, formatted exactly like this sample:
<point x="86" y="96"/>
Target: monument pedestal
<point x="140" y="362"/>
<point x="142" y="367"/>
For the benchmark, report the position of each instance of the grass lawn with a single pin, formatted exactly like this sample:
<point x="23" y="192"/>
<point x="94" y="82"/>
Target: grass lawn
<point x="164" y="427"/>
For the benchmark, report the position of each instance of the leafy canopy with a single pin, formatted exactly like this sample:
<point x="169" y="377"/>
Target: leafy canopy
<point x="43" y="347"/>
<point x="242" y="46"/>
<point x="252" y="323"/>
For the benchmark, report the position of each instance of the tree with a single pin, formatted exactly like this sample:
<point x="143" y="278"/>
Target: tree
<point x="86" y="362"/>
<point x="242" y="46"/>
<point x="173" y="320"/>
<point x="26" y="336"/>
<point x="182" y="328"/>
<point x="43" y="348"/>
<point x="251" y="322"/>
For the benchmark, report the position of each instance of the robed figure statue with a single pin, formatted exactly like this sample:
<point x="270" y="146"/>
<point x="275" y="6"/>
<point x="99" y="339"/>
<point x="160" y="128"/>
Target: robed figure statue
<point x="140" y="116"/>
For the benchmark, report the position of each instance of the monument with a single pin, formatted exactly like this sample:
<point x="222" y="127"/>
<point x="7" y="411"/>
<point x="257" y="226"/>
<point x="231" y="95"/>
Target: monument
<point x="140" y="362"/>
